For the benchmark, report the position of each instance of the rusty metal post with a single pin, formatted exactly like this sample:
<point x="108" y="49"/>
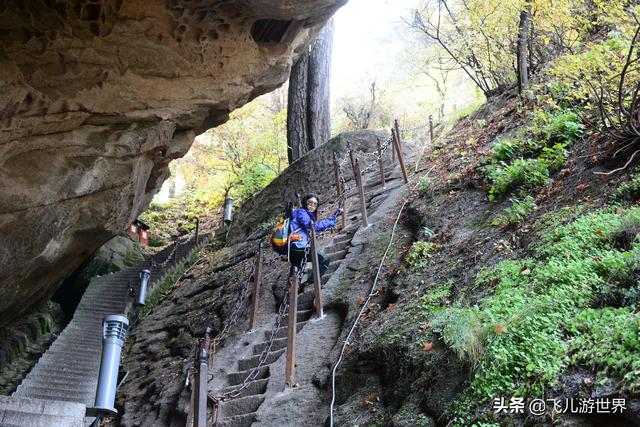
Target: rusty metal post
<point x="317" y="284"/>
<point x="393" y="151"/>
<point x="380" y="162"/>
<point x="351" y="157"/>
<point x="430" y="128"/>
<point x="339" y="189"/>
<point x="290" y="367"/>
<point x="175" y="253"/>
<point x="257" y="278"/>
<point x="398" y="149"/>
<point x="363" y="204"/>
<point x="202" y="380"/>
<point x="336" y="173"/>
<point x="197" y="230"/>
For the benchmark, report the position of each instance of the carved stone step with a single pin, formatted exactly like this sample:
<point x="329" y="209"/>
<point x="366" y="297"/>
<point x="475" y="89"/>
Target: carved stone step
<point x="239" y="421"/>
<point x="252" y="362"/>
<point x="254" y="387"/>
<point x="238" y="377"/>
<point x="276" y="345"/>
<point x="241" y="406"/>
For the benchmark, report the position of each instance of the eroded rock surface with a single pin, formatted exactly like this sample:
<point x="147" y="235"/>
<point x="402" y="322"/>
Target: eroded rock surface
<point x="97" y="97"/>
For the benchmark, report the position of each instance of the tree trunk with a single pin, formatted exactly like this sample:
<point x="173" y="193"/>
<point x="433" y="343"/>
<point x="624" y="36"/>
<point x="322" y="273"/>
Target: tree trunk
<point x="297" y="133"/>
<point x="318" y="114"/>
<point x="522" y="48"/>
<point x="308" y="115"/>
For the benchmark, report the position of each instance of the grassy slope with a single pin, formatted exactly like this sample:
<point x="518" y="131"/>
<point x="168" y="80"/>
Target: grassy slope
<point x="533" y="294"/>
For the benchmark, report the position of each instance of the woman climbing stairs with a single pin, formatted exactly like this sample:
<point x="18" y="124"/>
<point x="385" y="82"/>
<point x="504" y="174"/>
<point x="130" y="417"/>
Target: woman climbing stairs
<point x="242" y="410"/>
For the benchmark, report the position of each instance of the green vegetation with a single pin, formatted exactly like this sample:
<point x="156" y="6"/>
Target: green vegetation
<point x="516" y="213"/>
<point x="541" y="318"/>
<point x="435" y="299"/>
<point x="423" y="184"/>
<point x="165" y="287"/>
<point x="629" y="190"/>
<point x="526" y="162"/>
<point x="609" y="340"/>
<point x="419" y="255"/>
<point x="177" y="216"/>
<point x="236" y="159"/>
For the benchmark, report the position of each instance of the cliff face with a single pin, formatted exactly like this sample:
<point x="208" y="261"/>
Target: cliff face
<point x="97" y="97"/>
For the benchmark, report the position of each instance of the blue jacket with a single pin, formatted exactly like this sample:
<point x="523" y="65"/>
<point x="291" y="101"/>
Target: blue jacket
<point x="300" y="223"/>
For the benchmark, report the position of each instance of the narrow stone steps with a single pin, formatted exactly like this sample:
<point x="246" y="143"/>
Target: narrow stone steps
<point x="254" y="387"/>
<point x="333" y="267"/>
<point x="302" y="316"/>
<point x="67" y="396"/>
<point x="342" y="239"/>
<point x="14" y="418"/>
<point x="282" y="331"/>
<point x="239" y="421"/>
<point x="48" y="387"/>
<point x="236" y="378"/>
<point x="88" y="366"/>
<point x="277" y="344"/>
<point x="241" y="405"/>
<point x="80" y="341"/>
<point x="68" y="371"/>
<point x="69" y="353"/>
<point x="252" y="362"/>
<point x="337" y="247"/>
<point x="57" y="383"/>
<point x="337" y="255"/>
<point x="56" y="376"/>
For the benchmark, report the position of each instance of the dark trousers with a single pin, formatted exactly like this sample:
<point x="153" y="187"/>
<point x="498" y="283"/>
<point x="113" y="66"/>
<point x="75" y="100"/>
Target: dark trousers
<point x="296" y="257"/>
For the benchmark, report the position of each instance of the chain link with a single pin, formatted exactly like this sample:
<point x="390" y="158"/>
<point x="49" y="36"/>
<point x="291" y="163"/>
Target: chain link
<point x="233" y="318"/>
<point x="232" y="394"/>
<point x="176" y="244"/>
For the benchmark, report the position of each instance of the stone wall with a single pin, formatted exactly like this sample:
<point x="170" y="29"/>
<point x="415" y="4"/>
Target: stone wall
<point x="313" y="172"/>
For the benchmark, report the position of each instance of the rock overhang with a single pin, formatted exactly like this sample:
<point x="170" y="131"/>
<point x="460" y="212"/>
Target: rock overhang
<point x="97" y="97"/>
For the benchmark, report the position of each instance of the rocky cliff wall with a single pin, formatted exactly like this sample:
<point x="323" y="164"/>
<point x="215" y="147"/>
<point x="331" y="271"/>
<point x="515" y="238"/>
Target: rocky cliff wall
<point x="314" y="172"/>
<point x="97" y="97"/>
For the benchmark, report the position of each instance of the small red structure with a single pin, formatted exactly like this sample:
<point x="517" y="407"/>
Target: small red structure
<point x="133" y="231"/>
<point x="138" y="230"/>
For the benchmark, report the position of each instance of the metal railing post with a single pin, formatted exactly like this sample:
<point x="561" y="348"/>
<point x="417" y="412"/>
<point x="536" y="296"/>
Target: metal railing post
<point x="197" y="230"/>
<point x="363" y="204"/>
<point x="202" y="379"/>
<point x="351" y="156"/>
<point x="145" y="274"/>
<point x="380" y="162"/>
<point x="228" y="210"/>
<point x="398" y="149"/>
<point x="290" y="367"/>
<point x="114" y="332"/>
<point x="317" y="284"/>
<point x="257" y="278"/>
<point x="339" y="189"/>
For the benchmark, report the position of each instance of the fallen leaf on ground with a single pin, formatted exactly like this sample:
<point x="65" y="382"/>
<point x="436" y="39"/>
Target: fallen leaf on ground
<point x="427" y="346"/>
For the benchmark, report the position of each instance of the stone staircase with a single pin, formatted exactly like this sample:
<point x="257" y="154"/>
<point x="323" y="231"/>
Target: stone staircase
<point x="63" y="383"/>
<point x="242" y="410"/>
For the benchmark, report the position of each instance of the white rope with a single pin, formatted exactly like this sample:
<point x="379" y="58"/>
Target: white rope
<point x="364" y="306"/>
